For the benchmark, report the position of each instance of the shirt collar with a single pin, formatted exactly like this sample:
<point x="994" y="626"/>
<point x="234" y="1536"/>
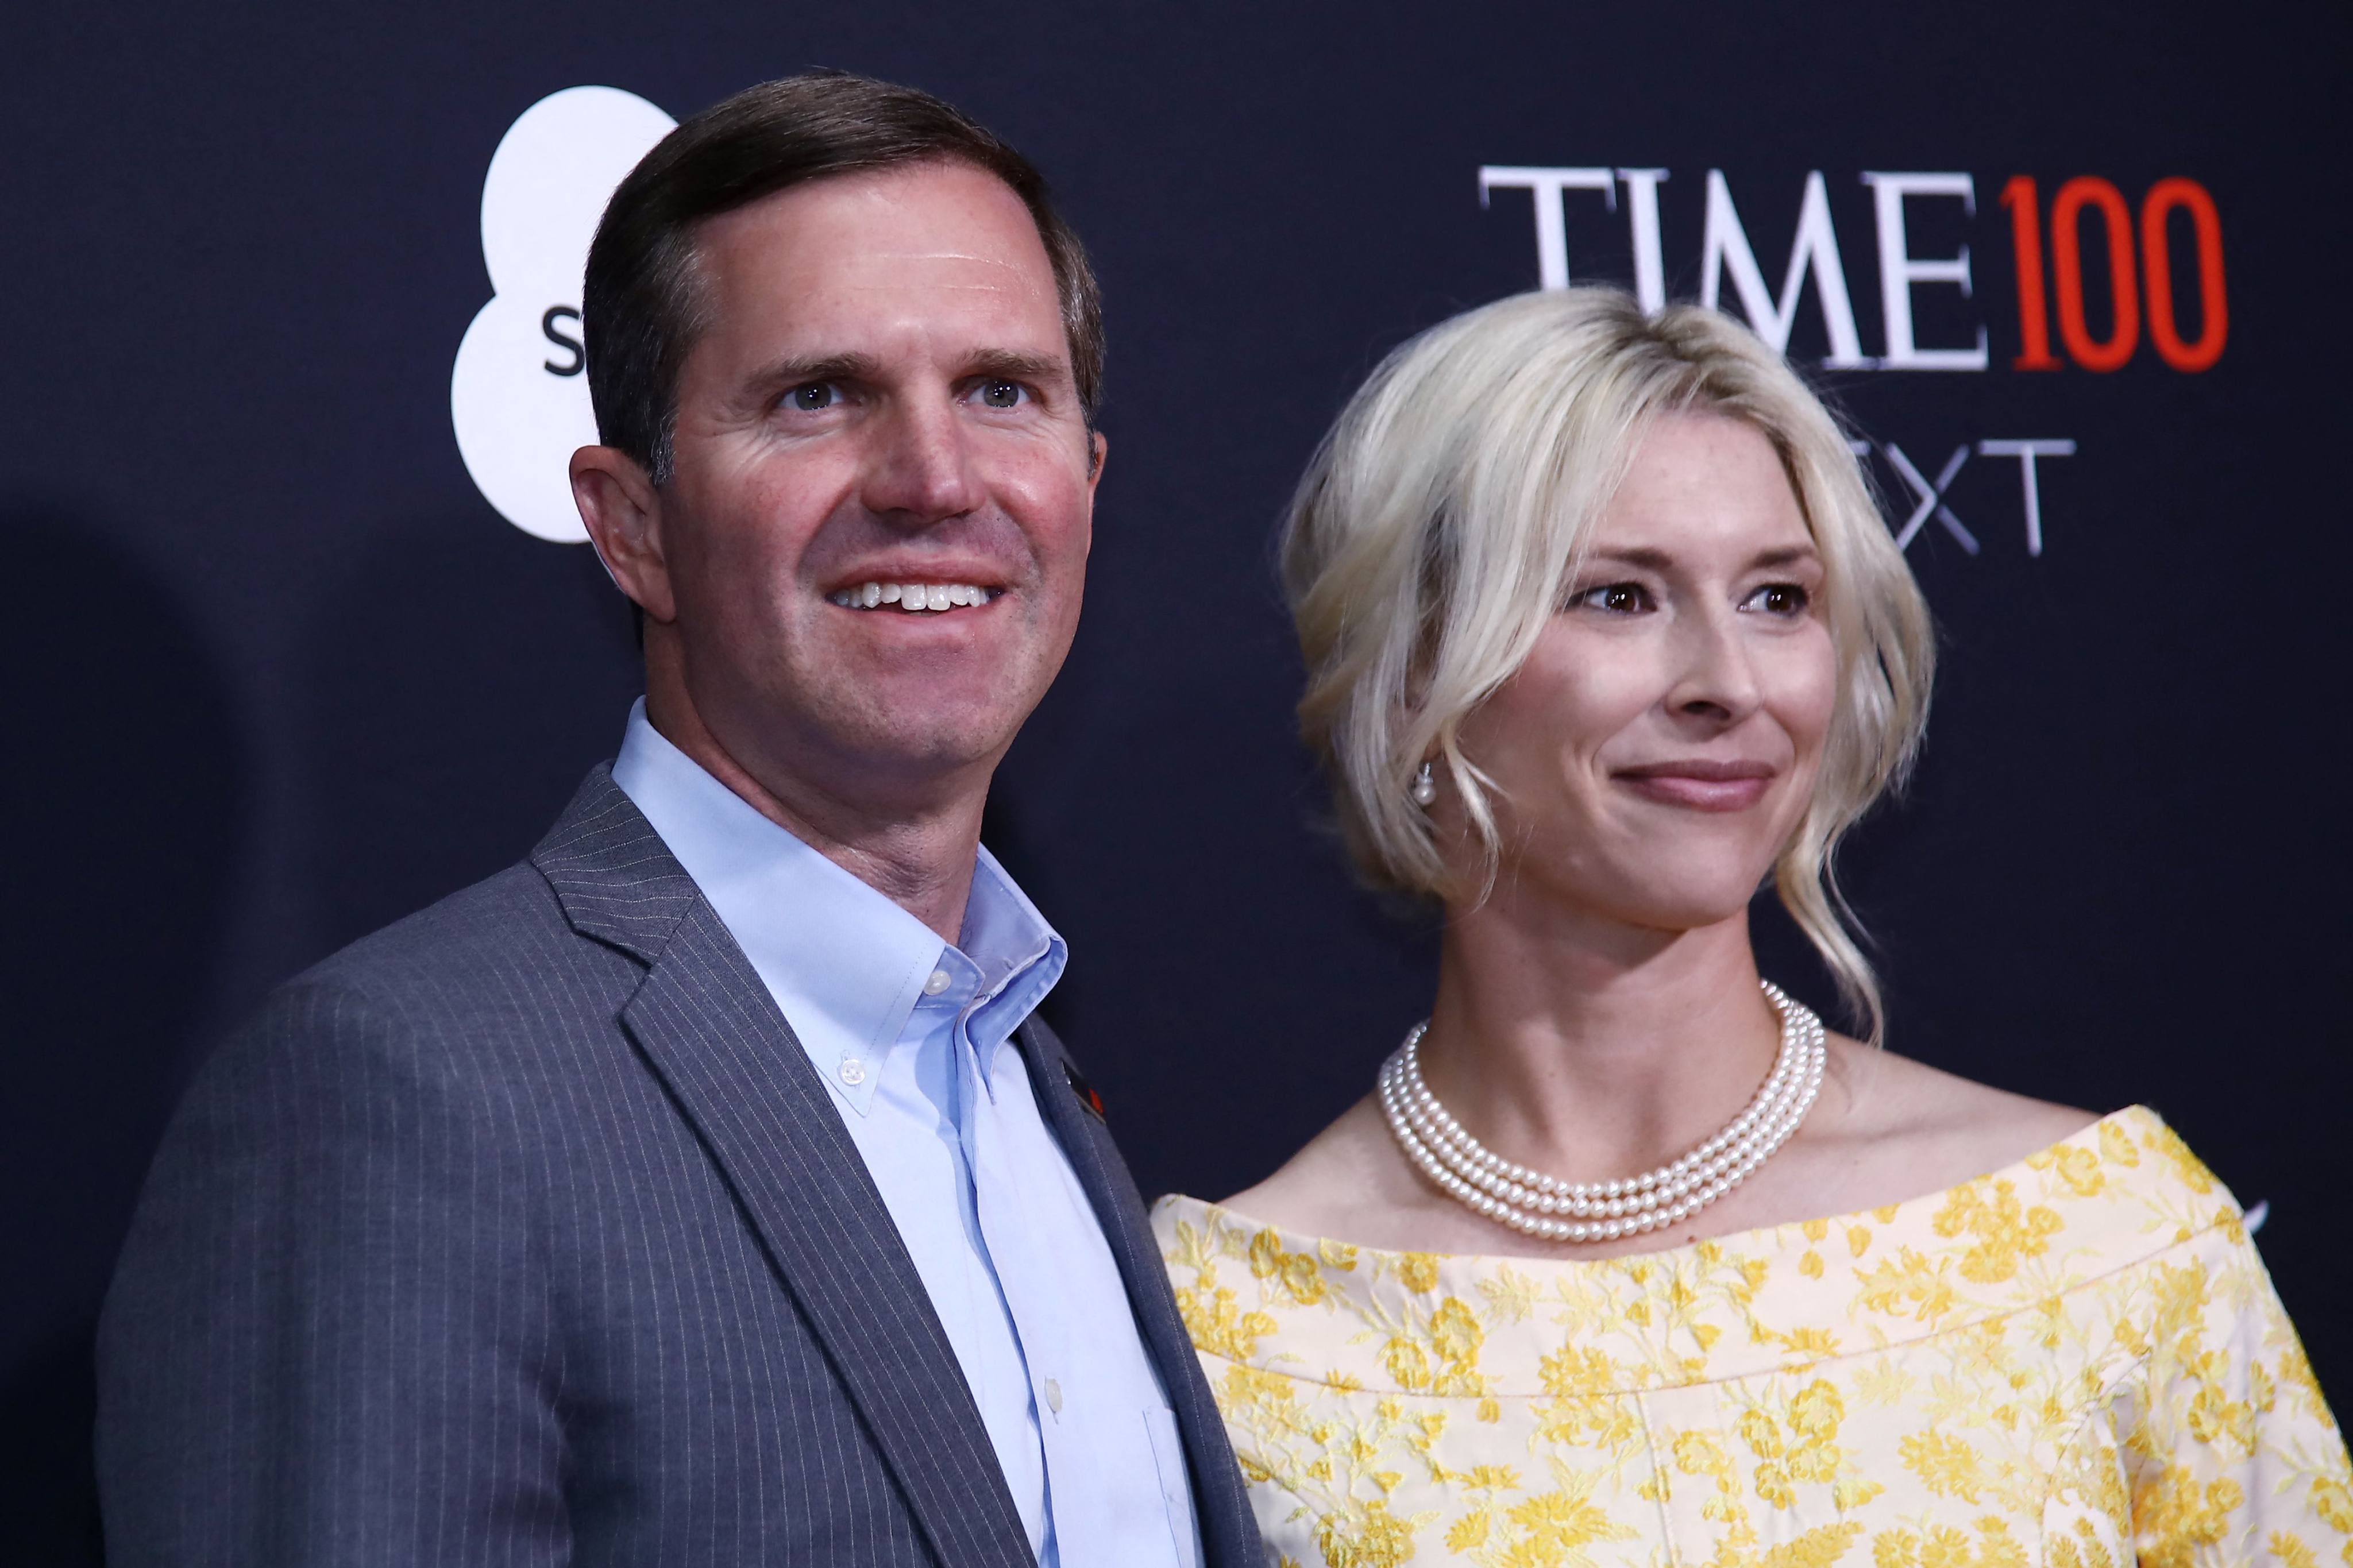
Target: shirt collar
<point x="845" y="964"/>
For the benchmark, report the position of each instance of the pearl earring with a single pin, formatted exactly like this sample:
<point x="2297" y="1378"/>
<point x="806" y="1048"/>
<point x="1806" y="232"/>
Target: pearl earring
<point x="1425" y="786"/>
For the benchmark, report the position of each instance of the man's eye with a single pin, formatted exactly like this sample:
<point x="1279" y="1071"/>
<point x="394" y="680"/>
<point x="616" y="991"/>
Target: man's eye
<point x="1780" y="599"/>
<point x="1001" y="393"/>
<point x="1618" y="599"/>
<point x="814" y="397"/>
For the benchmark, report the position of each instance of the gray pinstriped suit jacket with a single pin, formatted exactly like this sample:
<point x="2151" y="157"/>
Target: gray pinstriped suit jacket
<point x="522" y="1232"/>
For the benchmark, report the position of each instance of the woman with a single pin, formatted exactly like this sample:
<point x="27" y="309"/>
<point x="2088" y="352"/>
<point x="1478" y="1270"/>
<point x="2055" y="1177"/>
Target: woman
<point x="1625" y="1259"/>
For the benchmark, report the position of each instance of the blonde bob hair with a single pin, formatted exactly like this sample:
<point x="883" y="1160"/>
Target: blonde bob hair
<point x="1431" y="537"/>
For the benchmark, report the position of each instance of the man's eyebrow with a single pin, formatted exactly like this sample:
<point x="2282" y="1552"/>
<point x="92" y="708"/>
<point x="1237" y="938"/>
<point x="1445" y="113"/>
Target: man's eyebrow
<point x="821" y="367"/>
<point x="1014" y="364"/>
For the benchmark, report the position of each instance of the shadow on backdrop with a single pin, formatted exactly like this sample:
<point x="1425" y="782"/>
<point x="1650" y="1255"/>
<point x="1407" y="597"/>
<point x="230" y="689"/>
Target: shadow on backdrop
<point x="457" y="685"/>
<point x="126" y="794"/>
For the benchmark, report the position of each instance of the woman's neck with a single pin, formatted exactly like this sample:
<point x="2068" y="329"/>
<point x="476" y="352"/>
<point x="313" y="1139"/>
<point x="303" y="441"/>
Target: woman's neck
<point x="1589" y="1049"/>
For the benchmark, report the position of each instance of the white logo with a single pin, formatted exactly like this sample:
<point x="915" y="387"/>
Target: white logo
<point x="517" y="397"/>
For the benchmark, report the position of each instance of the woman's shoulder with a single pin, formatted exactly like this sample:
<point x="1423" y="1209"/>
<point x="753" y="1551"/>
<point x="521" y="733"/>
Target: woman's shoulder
<point x="1346" y="1182"/>
<point x="1898" y="1128"/>
<point x="1906" y="1128"/>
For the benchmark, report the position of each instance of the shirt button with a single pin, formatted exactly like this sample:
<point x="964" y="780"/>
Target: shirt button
<point x="936" y="983"/>
<point x="853" y="1071"/>
<point x="1053" y="1396"/>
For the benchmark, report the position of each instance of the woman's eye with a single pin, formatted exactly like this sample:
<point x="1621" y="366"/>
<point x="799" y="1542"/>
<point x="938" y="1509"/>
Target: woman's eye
<point x="1001" y="393"/>
<point x="1780" y="599"/>
<point x="814" y="397"/>
<point x="1618" y="599"/>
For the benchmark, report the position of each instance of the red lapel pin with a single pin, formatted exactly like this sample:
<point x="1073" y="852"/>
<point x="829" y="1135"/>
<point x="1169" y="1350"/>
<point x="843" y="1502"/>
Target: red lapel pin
<point x="1085" y="1091"/>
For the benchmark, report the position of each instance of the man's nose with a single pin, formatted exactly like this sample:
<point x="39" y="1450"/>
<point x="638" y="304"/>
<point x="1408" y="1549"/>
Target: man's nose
<point x="1718" y="677"/>
<point x="920" y="471"/>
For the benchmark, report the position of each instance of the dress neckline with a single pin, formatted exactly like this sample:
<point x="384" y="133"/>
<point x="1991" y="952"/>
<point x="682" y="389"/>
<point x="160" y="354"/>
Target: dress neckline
<point x="2133" y="1124"/>
<point x="2112" y="1196"/>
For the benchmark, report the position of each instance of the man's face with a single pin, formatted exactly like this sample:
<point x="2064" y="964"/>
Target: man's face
<point x="879" y="410"/>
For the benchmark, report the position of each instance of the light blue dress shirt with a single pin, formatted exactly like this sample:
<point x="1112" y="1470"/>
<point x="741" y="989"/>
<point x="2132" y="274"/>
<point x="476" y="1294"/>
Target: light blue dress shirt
<point x="912" y="1036"/>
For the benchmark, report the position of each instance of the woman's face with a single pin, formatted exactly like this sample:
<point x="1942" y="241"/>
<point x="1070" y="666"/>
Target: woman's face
<point x="1659" y="748"/>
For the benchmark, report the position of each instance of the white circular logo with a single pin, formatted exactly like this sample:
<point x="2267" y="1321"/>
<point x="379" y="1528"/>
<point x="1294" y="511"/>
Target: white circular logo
<point x="517" y="397"/>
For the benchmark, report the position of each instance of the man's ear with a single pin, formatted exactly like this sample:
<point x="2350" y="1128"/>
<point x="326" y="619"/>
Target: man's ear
<point x="1097" y="446"/>
<point x="619" y="502"/>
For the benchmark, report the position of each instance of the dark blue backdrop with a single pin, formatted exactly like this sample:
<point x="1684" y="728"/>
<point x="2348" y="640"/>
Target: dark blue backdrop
<point x="278" y="674"/>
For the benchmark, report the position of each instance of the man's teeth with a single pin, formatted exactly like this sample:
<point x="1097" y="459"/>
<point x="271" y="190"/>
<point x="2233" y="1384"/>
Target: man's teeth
<point x="913" y="596"/>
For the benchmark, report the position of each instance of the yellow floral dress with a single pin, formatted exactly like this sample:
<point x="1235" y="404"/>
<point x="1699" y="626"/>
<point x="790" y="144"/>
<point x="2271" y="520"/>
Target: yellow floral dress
<point x="2077" y="1361"/>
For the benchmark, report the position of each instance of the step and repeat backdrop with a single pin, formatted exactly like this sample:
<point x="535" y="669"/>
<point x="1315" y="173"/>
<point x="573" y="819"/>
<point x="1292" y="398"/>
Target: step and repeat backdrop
<point x="302" y="635"/>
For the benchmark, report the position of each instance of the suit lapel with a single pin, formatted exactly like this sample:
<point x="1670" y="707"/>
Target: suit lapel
<point x="1229" y="1537"/>
<point x="714" y="1035"/>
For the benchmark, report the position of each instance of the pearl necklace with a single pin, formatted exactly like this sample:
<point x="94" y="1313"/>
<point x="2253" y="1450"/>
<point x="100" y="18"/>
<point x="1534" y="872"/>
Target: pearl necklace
<point x="1529" y="1202"/>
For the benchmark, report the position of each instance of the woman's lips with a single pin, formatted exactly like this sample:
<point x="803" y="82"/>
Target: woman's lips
<point x="1698" y="785"/>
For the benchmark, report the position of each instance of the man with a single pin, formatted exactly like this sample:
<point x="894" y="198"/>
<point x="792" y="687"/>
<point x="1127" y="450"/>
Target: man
<point x="703" y="1190"/>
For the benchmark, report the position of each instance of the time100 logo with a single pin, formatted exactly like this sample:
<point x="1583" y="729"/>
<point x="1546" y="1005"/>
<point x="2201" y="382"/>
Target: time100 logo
<point x="2097" y="274"/>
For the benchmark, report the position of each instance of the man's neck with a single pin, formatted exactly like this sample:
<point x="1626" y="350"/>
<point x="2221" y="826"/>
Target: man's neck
<point x="919" y="854"/>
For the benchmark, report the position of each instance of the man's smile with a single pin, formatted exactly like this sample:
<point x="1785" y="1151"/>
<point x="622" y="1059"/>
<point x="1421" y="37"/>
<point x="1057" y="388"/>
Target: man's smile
<point x="915" y="596"/>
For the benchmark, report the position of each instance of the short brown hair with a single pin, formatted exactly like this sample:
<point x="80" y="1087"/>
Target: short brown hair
<point x="642" y="311"/>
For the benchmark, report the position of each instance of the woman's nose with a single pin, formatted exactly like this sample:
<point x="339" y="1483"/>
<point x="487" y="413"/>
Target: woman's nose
<point x="1718" y="678"/>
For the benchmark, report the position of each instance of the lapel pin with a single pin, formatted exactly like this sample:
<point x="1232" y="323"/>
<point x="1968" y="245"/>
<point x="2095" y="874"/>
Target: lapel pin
<point x="1085" y="1091"/>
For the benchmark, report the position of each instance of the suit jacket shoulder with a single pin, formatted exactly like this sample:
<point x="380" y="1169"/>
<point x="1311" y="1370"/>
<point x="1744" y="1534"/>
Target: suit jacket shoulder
<point x="485" y="1242"/>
